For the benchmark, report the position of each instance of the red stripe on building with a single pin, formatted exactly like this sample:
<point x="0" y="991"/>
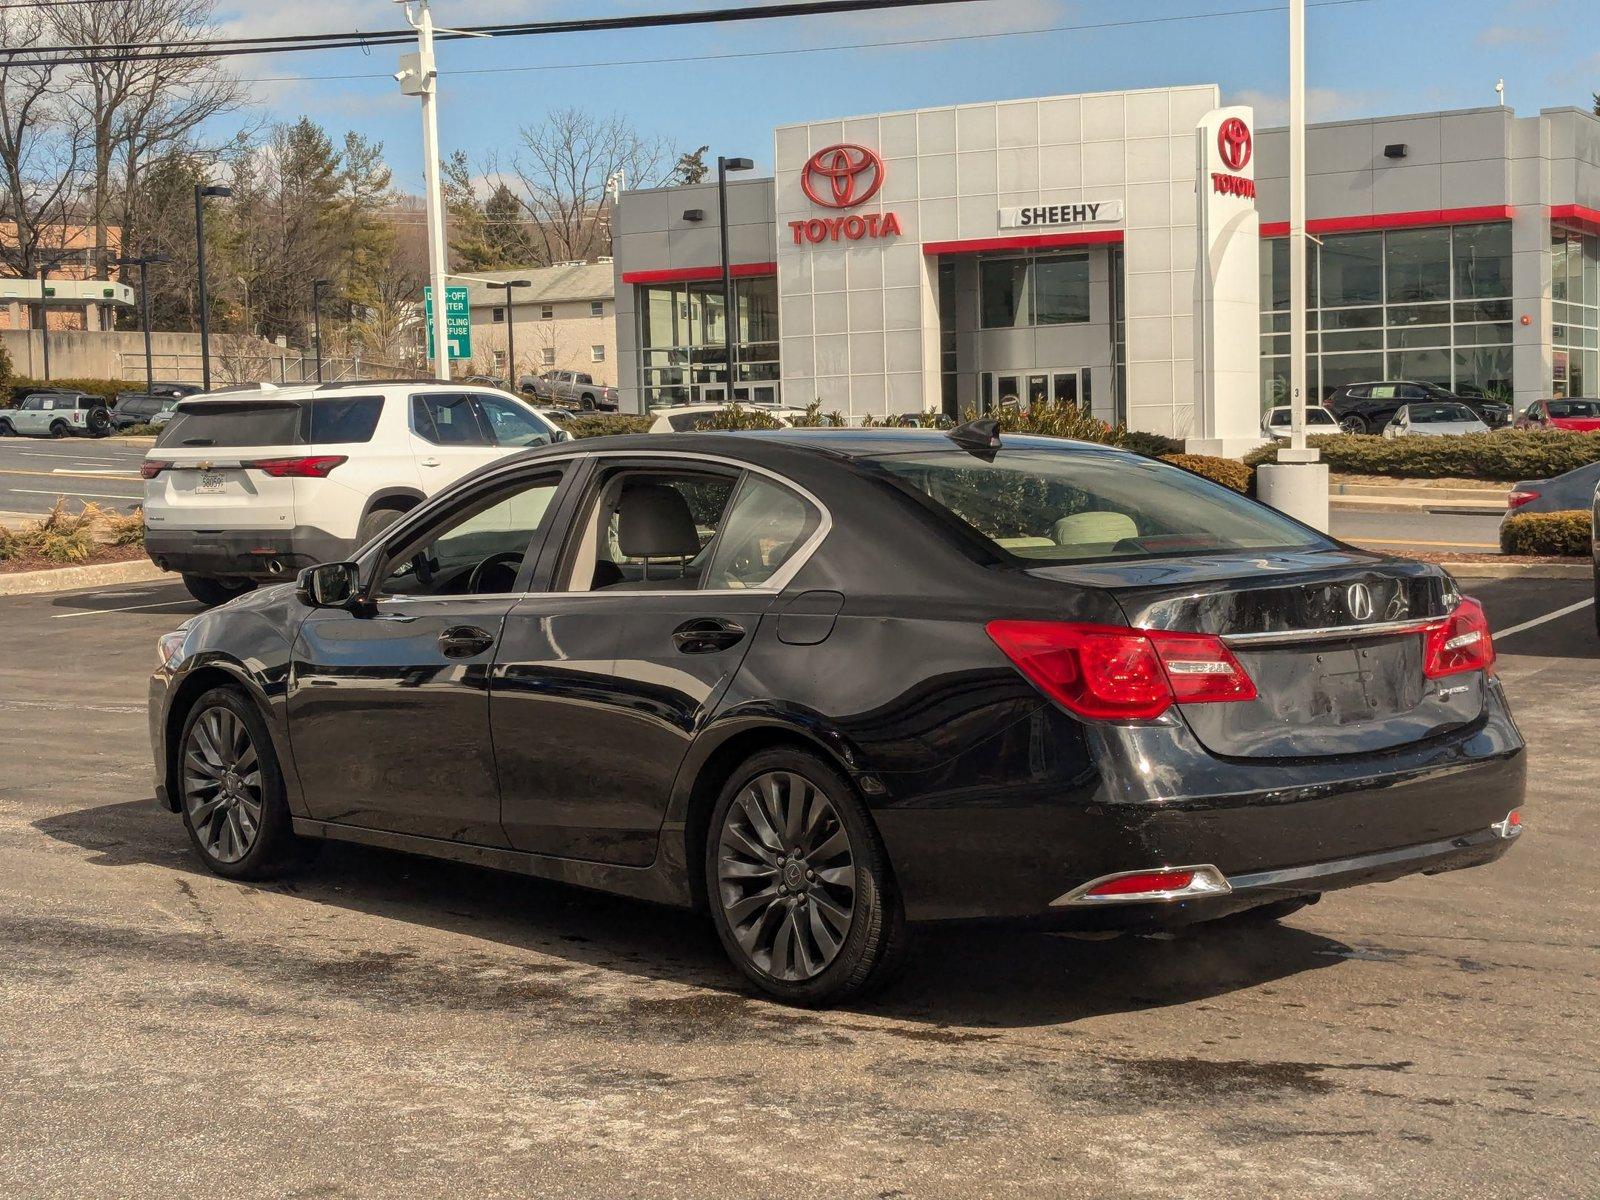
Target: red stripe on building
<point x="694" y="274"/>
<point x="1576" y="216"/>
<point x="1405" y="220"/>
<point x="1031" y="241"/>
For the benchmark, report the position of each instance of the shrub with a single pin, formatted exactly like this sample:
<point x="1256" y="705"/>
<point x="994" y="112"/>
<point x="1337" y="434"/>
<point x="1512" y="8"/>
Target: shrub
<point x="606" y="424"/>
<point x="16" y="389"/>
<point x="1229" y="472"/>
<point x="65" y="536"/>
<point x="1069" y="421"/>
<point x="1504" y="455"/>
<point x="1563" y="533"/>
<point x="144" y="430"/>
<point x="736" y="416"/>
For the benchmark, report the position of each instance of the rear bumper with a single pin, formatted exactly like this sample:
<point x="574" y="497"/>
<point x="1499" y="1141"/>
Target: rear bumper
<point x="259" y="554"/>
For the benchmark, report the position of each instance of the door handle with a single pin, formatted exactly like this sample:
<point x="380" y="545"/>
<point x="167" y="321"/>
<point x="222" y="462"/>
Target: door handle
<point x="707" y="635"/>
<point x="463" y="641"/>
<point x="430" y="462"/>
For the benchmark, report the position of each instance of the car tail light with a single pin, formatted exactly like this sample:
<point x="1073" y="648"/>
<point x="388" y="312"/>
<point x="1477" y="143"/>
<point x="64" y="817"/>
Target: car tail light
<point x="311" y="466"/>
<point x="1518" y="499"/>
<point x="151" y="467"/>
<point x="1112" y="672"/>
<point x="1460" y="642"/>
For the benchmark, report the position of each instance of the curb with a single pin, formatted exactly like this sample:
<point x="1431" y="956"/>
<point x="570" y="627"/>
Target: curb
<point x="1398" y="504"/>
<point x="66" y="579"/>
<point x="133" y="439"/>
<point x="1540" y="570"/>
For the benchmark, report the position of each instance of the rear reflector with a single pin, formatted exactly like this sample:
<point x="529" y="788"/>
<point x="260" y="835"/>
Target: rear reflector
<point x="150" y="468"/>
<point x="1166" y="883"/>
<point x="1112" y="672"/>
<point x="1518" y="499"/>
<point x="312" y="466"/>
<point x="1461" y="642"/>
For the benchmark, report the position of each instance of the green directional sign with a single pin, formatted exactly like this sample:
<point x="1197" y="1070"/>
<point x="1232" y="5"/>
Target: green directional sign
<point x="457" y="321"/>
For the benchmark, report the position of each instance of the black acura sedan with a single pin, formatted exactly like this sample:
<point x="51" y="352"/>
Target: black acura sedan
<point x="825" y="683"/>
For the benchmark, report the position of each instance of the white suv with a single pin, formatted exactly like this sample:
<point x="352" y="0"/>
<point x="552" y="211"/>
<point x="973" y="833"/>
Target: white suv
<point x="252" y="485"/>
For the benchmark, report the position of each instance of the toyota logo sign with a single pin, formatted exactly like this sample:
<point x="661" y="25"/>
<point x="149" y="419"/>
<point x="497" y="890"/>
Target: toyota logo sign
<point x="842" y="176"/>
<point x="1233" y="143"/>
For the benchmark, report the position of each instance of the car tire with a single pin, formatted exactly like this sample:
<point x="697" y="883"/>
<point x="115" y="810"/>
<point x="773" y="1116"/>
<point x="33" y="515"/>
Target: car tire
<point x="375" y="522"/>
<point x="1596" y="607"/>
<point x="230" y="790"/>
<point x="6" y="430"/>
<point x="1354" y="423"/>
<point x="59" y="429"/>
<point x="212" y="592"/>
<point x="99" y="422"/>
<point x="799" y="884"/>
<point x="586" y="403"/>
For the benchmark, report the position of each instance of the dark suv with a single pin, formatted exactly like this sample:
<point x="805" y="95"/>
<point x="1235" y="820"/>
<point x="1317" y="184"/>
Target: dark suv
<point x="1368" y="407"/>
<point x="140" y="407"/>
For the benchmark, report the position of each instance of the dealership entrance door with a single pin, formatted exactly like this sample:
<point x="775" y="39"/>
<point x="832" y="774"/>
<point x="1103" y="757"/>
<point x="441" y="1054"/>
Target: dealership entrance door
<point x="1062" y="385"/>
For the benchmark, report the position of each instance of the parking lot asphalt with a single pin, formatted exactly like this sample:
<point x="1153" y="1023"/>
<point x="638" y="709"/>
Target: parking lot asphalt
<point x="384" y="1025"/>
<point x="34" y="471"/>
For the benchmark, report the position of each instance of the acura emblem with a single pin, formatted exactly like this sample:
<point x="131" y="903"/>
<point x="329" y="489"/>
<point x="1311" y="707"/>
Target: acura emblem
<point x="1358" y="599"/>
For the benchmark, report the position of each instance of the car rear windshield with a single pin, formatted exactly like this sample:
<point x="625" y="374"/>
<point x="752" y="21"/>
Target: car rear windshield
<point x="1060" y="507"/>
<point x="330" y="421"/>
<point x="1436" y="414"/>
<point x="1575" y="408"/>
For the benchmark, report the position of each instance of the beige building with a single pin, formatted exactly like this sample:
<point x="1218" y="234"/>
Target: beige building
<point x="566" y="320"/>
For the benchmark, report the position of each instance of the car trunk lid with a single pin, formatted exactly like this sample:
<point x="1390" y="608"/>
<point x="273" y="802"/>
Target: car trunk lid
<point x="1333" y="641"/>
<point x="204" y="482"/>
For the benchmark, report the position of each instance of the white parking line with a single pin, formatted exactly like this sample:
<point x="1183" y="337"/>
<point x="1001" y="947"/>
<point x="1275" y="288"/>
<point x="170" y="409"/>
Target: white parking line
<point x="74" y="492"/>
<point x="105" y="612"/>
<point x="1502" y="634"/>
<point x="76" y="470"/>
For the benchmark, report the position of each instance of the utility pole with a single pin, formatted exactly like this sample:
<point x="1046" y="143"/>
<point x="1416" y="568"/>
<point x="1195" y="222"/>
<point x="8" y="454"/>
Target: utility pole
<point x="143" y="263"/>
<point x="44" y="322"/>
<point x="316" y="320"/>
<point x="1297" y="226"/>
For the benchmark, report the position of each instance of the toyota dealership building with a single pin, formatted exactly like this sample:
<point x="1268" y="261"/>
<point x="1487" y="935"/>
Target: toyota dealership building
<point x="1126" y="251"/>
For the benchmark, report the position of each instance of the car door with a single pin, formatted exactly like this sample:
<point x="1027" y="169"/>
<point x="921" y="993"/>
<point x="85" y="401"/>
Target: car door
<point x="603" y="681"/>
<point x="389" y="702"/>
<point x="26" y="419"/>
<point x="449" y="438"/>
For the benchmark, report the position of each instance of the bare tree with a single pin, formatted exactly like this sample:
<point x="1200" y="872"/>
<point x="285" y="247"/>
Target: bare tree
<point x="39" y="152"/>
<point x="560" y="174"/>
<point x="134" y="110"/>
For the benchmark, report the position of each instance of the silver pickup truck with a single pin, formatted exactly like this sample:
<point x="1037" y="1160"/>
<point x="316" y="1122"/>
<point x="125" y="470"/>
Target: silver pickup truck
<point x="574" y="389"/>
<point x="56" y="415"/>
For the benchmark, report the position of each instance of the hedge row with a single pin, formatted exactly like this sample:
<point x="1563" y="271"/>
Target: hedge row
<point x="1505" y="455"/>
<point x="604" y="424"/>
<point x="1563" y="533"/>
<point x="17" y="387"/>
<point x="1229" y="472"/>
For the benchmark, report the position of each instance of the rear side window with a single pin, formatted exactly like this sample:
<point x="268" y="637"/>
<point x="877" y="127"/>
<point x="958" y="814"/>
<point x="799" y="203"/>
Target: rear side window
<point x="238" y="424"/>
<point x="761" y="531"/>
<point x="344" y="421"/>
<point x="1052" y="507"/>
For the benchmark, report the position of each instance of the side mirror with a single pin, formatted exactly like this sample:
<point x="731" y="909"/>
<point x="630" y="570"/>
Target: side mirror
<point x="328" y="585"/>
<point x="561" y="435"/>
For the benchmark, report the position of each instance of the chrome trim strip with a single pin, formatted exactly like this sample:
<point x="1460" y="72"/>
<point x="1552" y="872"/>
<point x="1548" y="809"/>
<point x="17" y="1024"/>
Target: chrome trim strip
<point x="1279" y="637"/>
<point x="1207" y="881"/>
<point x="1362" y="862"/>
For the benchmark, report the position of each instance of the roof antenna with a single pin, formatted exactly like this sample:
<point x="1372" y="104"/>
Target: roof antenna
<point x="980" y="434"/>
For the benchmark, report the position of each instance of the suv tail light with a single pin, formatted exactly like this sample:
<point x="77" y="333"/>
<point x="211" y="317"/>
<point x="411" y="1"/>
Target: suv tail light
<point x="1112" y="672"/>
<point x="1460" y="642"/>
<point x="311" y="466"/>
<point x="1518" y="499"/>
<point x="151" y="467"/>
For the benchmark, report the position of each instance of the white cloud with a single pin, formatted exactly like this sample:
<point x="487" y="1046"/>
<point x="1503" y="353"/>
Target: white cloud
<point x="1514" y="35"/>
<point x="1322" y="104"/>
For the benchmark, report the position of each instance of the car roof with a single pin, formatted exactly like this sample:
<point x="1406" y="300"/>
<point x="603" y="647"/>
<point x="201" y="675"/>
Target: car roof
<point x="757" y="444"/>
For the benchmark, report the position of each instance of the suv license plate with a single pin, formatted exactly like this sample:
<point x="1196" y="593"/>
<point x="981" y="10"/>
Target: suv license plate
<point x="211" y="484"/>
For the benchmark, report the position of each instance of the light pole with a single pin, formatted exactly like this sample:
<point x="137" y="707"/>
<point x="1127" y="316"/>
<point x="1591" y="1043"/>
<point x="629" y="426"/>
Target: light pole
<point x="143" y="262"/>
<point x="511" y="327"/>
<point x="316" y="320"/>
<point x="201" y="191"/>
<point x="730" y="318"/>
<point x="44" y="321"/>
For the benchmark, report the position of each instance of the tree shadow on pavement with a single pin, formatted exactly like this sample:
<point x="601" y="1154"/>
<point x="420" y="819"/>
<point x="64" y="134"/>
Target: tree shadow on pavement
<point x="969" y="976"/>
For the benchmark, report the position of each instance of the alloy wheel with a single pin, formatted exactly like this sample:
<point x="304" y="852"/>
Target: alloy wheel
<point x="786" y="875"/>
<point x="222" y="788"/>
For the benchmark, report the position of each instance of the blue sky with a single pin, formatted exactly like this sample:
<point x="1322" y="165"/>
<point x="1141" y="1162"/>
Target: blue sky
<point x="1364" y="57"/>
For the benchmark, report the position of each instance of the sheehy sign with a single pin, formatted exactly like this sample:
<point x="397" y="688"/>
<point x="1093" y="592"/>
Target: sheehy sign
<point x="843" y="176"/>
<point x="1037" y="216"/>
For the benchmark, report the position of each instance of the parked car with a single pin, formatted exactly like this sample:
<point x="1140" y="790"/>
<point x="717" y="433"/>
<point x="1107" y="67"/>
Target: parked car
<point x="57" y="415"/>
<point x="132" y="408"/>
<point x="1572" y="491"/>
<point x="249" y="486"/>
<point x="575" y="389"/>
<point x="681" y="418"/>
<point x="826" y="683"/>
<point x="1275" y="424"/>
<point x="1579" y="415"/>
<point x="1433" y="419"/>
<point x="1368" y="407"/>
<point x="924" y="420"/>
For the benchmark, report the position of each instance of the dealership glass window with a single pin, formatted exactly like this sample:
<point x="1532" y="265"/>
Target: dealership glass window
<point x="1423" y="303"/>
<point x="1119" y="339"/>
<point x="1575" y="278"/>
<point x="681" y="332"/>
<point x="1045" y="289"/>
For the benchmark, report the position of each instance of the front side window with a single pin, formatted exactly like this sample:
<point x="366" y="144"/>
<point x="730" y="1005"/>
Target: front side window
<point x="511" y="424"/>
<point x="447" y="420"/>
<point x="1048" y="507"/>
<point x="479" y="550"/>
